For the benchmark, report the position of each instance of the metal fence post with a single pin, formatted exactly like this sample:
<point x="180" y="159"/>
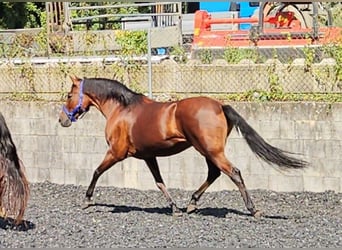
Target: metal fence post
<point x="149" y="61"/>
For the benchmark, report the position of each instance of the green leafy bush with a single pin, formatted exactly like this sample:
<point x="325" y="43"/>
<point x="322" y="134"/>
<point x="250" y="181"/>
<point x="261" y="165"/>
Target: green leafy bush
<point x="132" y="42"/>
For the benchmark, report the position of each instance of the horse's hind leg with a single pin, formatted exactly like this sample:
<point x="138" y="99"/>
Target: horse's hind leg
<point x="235" y="175"/>
<point x="154" y="168"/>
<point x="213" y="174"/>
<point x="237" y="179"/>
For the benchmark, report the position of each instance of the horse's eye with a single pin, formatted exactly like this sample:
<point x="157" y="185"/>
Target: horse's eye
<point x="69" y="95"/>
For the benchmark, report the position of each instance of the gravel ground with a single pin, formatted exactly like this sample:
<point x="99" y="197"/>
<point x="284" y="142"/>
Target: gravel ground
<point x="134" y="218"/>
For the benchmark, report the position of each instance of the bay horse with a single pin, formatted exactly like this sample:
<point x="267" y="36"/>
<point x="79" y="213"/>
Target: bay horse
<point x="137" y="126"/>
<point x="14" y="186"/>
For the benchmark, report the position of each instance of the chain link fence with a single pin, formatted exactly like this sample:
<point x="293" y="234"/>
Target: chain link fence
<point x="170" y="79"/>
<point x="154" y="60"/>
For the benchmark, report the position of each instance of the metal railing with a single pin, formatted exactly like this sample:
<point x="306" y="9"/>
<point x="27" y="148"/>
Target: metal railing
<point x="162" y="13"/>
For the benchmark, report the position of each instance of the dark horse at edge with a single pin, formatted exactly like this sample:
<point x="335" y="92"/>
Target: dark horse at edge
<point x="14" y="186"/>
<point x="137" y="126"/>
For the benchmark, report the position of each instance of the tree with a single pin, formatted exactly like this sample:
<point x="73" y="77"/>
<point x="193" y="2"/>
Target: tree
<point x="17" y="15"/>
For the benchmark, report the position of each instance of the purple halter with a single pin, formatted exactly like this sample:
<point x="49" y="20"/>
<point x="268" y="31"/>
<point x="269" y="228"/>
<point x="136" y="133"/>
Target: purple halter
<point x="78" y="109"/>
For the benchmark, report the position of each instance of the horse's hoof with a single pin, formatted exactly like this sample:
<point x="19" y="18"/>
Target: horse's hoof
<point x="177" y="213"/>
<point x="258" y="214"/>
<point x="191" y="208"/>
<point x="88" y="202"/>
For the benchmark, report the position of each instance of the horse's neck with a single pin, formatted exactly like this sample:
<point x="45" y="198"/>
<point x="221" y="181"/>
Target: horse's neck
<point x="109" y="107"/>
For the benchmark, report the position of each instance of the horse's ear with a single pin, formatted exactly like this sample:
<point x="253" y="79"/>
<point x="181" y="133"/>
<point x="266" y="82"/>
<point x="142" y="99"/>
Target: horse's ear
<point x="75" y="79"/>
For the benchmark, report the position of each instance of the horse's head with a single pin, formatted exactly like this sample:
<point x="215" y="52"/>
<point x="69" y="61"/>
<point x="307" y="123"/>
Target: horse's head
<point x="76" y="104"/>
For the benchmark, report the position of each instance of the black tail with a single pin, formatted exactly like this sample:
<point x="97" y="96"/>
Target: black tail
<point x="258" y="145"/>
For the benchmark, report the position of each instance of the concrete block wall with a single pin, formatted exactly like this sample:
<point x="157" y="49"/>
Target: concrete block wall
<point x="70" y="155"/>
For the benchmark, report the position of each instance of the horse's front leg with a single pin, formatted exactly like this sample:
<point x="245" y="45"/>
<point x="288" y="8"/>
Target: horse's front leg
<point x="153" y="166"/>
<point x="107" y="163"/>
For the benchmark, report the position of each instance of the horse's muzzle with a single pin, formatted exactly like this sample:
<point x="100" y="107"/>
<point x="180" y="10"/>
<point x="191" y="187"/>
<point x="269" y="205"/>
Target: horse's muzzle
<point x="64" y="120"/>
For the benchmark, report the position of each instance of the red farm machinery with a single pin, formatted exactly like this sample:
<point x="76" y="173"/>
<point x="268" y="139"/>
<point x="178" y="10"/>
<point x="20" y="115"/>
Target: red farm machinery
<point x="276" y="25"/>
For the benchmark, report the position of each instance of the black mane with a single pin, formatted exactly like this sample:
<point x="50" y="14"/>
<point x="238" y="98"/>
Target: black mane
<point x="105" y="89"/>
